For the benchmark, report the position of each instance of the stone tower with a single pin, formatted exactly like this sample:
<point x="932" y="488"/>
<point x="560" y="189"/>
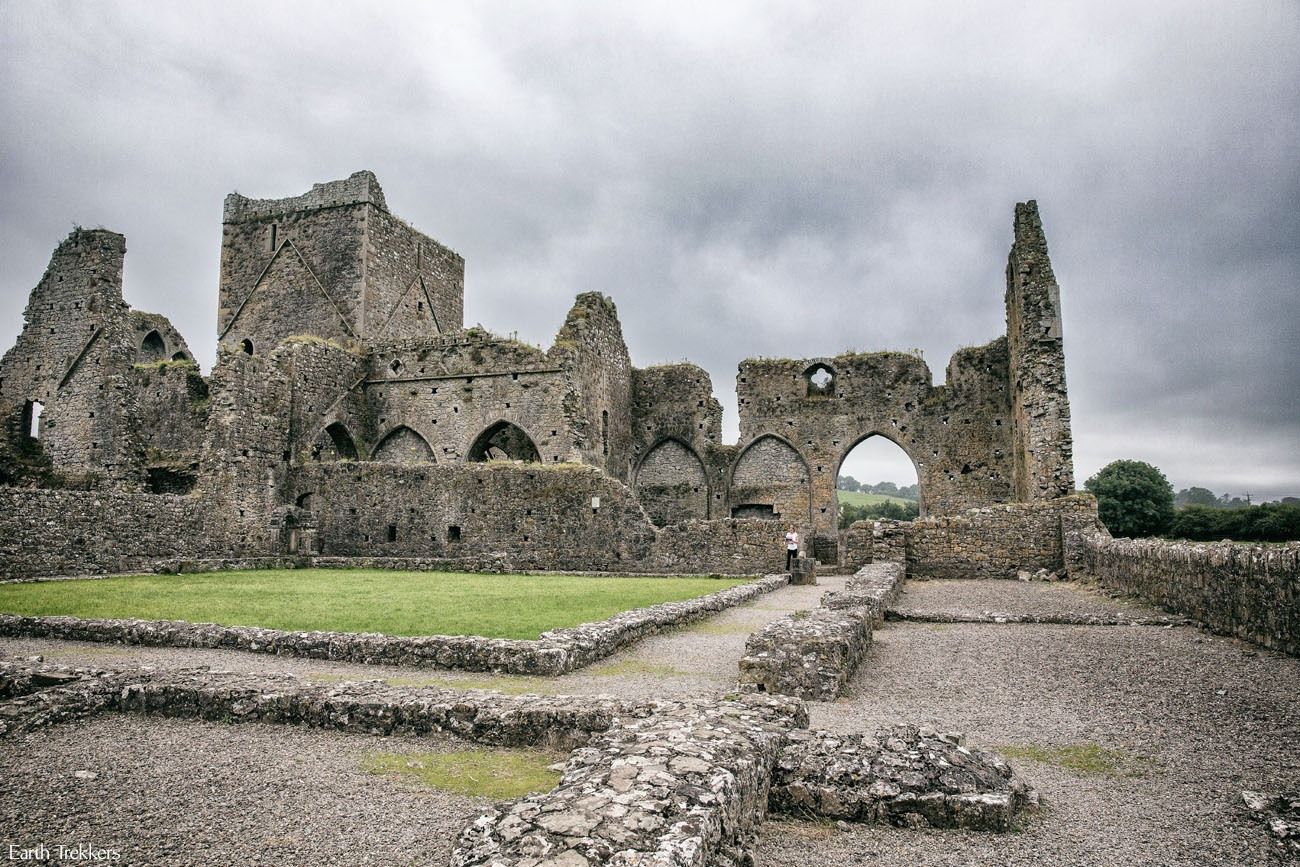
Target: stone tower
<point x="333" y="263"/>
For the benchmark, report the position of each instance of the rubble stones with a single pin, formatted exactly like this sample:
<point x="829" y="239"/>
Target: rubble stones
<point x="685" y="785"/>
<point x="555" y="652"/>
<point x="904" y="775"/>
<point x="1281" y="814"/>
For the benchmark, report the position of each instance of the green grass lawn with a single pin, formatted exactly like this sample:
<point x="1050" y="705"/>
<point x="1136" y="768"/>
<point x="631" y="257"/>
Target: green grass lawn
<point x="858" y="498"/>
<point x="360" y="600"/>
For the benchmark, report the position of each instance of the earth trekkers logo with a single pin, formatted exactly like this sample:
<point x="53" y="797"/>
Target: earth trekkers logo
<point x="80" y="853"/>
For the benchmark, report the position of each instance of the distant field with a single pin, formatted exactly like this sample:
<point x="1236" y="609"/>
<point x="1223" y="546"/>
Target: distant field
<point x="359" y="600"/>
<point x="857" y="498"/>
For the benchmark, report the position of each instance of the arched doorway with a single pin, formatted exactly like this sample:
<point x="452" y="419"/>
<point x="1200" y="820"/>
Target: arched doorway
<point x="877" y="479"/>
<point x="503" y="441"/>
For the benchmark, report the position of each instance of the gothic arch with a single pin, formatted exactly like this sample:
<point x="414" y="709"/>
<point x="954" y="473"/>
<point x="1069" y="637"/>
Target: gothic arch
<point x="153" y="347"/>
<point x="671" y="483"/>
<point x="920" y="483"/>
<point x="335" y="443"/>
<point x="503" y="441"/>
<point x="403" y="445"/>
<point x="771" y="478"/>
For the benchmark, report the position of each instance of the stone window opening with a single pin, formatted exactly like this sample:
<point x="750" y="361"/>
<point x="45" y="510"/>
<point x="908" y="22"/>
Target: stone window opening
<point x="247" y="346"/>
<point x="453" y="533"/>
<point x="392" y="532"/>
<point x="32" y="412"/>
<point x="153" y="347"/>
<point x="180" y="356"/>
<point x="273" y="237"/>
<point x="604" y="431"/>
<point x="820" y="380"/>
<point x="396" y="365"/>
<point x="503" y="441"/>
<point x="304" y="501"/>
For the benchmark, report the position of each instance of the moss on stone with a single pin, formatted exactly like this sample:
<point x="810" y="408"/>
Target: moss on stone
<point x="497" y="774"/>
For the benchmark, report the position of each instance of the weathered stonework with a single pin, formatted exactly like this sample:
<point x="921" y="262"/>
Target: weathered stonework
<point x="345" y="374"/>
<point x="872" y="588"/>
<point x="810" y="654"/>
<point x="1251" y="592"/>
<point x="905" y="775"/>
<point x="686" y="785"/>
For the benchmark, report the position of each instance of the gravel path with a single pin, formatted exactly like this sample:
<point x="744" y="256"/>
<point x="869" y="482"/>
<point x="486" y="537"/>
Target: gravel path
<point x="1000" y="601"/>
<point x="1190" y="720"/>
<point x="182" y="792"/>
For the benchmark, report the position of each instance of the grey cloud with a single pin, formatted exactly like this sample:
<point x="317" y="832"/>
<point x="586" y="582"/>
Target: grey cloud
<point x="783" y="179"/>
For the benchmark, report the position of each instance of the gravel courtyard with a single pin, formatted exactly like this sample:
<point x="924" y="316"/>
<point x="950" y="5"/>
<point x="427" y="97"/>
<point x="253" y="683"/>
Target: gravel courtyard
<point x="1171" y="724"/>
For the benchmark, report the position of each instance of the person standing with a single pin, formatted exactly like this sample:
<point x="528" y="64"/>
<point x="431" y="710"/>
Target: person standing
<point x="791" y="547"/>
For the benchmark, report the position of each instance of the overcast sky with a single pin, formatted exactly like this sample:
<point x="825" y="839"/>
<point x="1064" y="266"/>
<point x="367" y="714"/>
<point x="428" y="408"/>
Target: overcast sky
<point x="744" y="180"/>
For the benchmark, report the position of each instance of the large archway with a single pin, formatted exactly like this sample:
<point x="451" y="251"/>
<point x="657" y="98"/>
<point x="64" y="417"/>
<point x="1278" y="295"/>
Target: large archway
<point x="670" y="483"/>
<point x="503" y="441"/>
<point x="335" y="443"/>
<point x="877" y="479"/>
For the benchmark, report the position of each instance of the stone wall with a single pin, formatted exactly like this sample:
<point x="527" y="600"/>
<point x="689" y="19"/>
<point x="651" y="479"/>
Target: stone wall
<point x="996" y="541"/>
<point x="1252" y="592"/>
<point x="52" y="532"/>
<point x="1043" y="446"/>
<point x="810" y="654"/>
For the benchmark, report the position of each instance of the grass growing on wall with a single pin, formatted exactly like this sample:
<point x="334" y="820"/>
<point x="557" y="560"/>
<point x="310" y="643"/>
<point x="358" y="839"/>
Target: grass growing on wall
<point x="359" y="600"/>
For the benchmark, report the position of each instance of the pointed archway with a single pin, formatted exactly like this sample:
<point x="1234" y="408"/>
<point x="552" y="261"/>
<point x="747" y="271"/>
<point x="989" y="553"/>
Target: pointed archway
<point x="503" y="441"/>
<point x="402" y="445"/>
<point x="877" y="478"/>
<point x="671" y="484"/>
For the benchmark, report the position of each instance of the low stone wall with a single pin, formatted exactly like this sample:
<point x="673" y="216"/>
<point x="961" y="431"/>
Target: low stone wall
<point x="811" y="654"/>
<point x="555" y="652"/>
<point x="686" y="786"/>
<point x="369" y="707"/>
<point x="50" y="532"/>
<point x="997" y="541"/>
<point x="872" y="588"/>
<point x="1251" y="592"/>
<point x="906" y="776"/>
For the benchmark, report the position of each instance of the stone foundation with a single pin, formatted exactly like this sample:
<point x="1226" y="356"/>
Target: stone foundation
<point x="687" y="785"/>
<point x="555" y="652"/>
<point x="811" y="654"/>
<point x="906" y="776"/>
<point x="873" y="588"/>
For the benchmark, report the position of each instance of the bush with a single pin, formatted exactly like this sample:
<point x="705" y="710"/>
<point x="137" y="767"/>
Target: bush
<point x="1133" y="498"/>
<point x="1269" y="522"/>
<point x="875" y="511"/>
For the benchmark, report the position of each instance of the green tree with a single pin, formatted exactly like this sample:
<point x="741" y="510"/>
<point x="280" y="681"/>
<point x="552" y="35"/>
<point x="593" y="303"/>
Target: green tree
<point x="1196" y="497"/>
<point x="1133" y="498"/>
<point x="848" y="483"/>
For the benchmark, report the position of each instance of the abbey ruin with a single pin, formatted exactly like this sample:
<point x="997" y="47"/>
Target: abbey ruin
<point x="350" y="413"/>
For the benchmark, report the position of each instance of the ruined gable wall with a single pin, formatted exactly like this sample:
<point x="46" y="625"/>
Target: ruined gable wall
<point x="415" y="287"/>
<point x="452" y="388"/>
<point x="172" y="343"/>
<point x="73" y="355"/>
<point x="957" y="435"/>
<point x="591" y="350"/>
<point x="1043" y="445"/>
<point x="676" y="425"/>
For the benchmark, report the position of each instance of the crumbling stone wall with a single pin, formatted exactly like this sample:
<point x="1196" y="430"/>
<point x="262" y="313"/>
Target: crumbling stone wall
<point x="957" y="435"/>
<point x="156" y="339"/>
<point x="1043" y="447"/>
<point x="598" y="374"/>
<point x="1252" y="592"/>
<point x="172" y="406"/>
<point x="333" y="263"/>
